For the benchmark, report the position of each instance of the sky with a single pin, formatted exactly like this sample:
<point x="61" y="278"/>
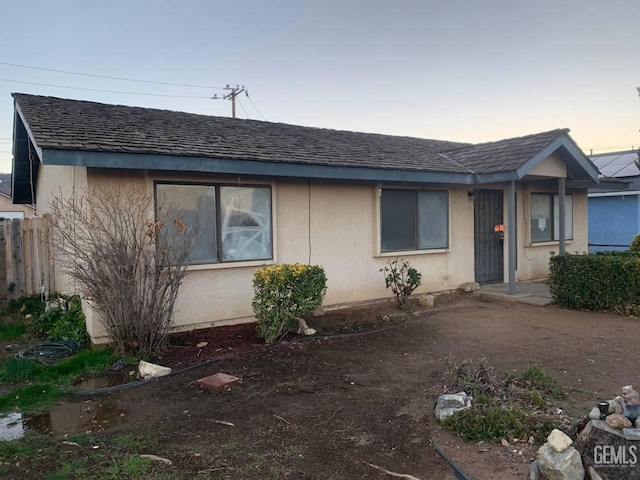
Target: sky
<point x="460" y="70"/>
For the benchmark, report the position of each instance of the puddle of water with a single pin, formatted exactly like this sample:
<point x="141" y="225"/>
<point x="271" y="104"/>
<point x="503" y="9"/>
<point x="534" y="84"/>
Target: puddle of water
<point x="11" y="427"/>
<point x="66" y="418"/>
<point x="103" y="381"/>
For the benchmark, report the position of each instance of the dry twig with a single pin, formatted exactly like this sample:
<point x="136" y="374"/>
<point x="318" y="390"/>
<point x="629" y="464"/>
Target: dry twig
<point x="393" y="474"/>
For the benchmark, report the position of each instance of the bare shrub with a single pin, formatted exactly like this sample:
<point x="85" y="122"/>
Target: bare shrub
<point x="127" y="264"/>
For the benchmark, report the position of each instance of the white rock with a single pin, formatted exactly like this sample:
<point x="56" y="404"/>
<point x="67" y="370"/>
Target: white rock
<point x="558" y="440"/>
<point x="303" y="328"/>
<point x="151" y="370"/>
<point x="565" y="465"/>
<point x="450" y="403"/>
<point x="594" y="414"/>
<point x="469" y="287"/>
<point x="426" y="301"/>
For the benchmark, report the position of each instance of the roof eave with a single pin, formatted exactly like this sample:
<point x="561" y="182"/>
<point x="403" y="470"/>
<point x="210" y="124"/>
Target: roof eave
<point x="138" y="161"/>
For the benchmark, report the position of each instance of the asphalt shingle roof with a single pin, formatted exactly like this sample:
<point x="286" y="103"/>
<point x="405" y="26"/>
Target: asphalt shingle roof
<point x="64" y="124"/>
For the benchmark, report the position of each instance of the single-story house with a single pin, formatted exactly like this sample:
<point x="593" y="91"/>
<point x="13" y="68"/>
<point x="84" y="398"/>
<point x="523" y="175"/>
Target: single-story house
<point x="614" y="215"/>
<point x="459" y="212"/>
<point x="9" y="210"/>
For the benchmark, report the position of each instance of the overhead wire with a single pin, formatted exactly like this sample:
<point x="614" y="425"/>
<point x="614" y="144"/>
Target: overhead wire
<point x="242" y="107"/>
<point x="109" y="77"/>
<point x="254" y="106"/>
<point x="104" y="91"/>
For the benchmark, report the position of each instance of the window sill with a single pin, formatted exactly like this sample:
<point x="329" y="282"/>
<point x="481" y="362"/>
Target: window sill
<point x="225" y="265"/>
<point x="546" y="244"/>
<point x="406" y="253"/>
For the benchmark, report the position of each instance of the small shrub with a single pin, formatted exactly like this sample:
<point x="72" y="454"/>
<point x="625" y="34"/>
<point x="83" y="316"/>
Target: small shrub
<point x="599" y="281"/>
<point x="283" y="293"/>
<point x="33" y="305"/>
<point x="536" y="379"/>
<point x="495" y="422"/>
<point x="402" y="278"/>
<point x="635" y="244"/>
<point x="68" y="324"/>
<point x="477" y="378"/>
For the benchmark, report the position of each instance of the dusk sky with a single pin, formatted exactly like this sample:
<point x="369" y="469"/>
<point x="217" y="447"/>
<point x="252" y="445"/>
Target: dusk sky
<point x="458" y="70"/>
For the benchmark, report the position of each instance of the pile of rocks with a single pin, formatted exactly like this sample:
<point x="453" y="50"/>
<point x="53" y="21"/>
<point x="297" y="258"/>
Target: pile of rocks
<point x="607" y="448"/>
<point x="557" y="459"/>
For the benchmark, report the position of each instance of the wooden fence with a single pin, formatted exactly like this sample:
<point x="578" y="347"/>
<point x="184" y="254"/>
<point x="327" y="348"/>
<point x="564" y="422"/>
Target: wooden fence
<point x="26" y="258"/>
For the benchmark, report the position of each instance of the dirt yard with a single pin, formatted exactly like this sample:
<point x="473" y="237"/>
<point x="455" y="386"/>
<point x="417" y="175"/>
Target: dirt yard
<point x="332" y="408"/>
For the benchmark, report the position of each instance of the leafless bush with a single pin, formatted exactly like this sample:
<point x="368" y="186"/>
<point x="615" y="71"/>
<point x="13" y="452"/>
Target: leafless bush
<point x="126" y="263"/>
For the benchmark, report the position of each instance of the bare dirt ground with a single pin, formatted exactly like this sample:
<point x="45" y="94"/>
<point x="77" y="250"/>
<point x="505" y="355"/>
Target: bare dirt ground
<point x="331" y="408"/>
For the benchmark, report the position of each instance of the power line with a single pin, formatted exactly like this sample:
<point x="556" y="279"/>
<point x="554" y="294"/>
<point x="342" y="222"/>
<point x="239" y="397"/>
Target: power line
<point x="254" y="106"/>
<point x="109" y="77"/>
<point x="99" y="90"/>
<point x="242" y="107"/>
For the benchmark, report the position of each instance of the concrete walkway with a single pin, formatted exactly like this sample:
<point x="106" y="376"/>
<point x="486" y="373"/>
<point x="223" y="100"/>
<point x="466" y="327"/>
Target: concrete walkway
<point x="533" y="293"/>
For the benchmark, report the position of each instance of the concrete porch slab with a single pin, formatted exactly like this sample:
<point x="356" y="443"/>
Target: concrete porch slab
<point x="532" y="293"/>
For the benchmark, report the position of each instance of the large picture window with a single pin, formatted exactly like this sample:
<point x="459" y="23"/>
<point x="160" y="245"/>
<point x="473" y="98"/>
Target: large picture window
<point x="414" y="219"/>
<point x="228" y="223"/>
<point x="545" y="217"/>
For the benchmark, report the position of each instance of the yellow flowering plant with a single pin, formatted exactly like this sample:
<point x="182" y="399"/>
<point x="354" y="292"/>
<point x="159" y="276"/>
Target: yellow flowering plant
<point x="283" y="293"/>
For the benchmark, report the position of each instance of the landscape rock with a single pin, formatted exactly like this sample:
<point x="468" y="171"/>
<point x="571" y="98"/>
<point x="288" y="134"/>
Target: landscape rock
<point x="468" y="287"/>
<point x="592" y="474"/>
<point x="202" y="344"/>
<point x="450" y="403"/>
<point x="615" y="420"/>
<point x="594" y="414"/>
<point x="631" y="433"/>
<point x="148" y="370"/>
<point x="591" y="441"/>
<point x="534" y="471"/>
<point x="426" y="301"/>
<point x="558" y="440"/>
<point x="303" y="328"/>
<point x="565" y="465"/>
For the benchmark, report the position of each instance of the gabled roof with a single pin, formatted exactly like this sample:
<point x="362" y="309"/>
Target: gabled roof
<point x="73" y="132"/>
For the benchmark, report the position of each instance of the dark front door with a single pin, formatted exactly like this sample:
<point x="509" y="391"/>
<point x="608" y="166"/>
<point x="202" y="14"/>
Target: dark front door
<point x="488" y="236"/>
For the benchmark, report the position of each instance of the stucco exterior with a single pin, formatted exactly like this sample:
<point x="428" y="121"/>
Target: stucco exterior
<point x="335" y="224"/>
<point x="9" y="210"/>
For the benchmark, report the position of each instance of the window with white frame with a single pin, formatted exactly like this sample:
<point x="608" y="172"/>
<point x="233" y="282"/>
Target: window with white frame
<point x="228" y="223"/>
<point x="414" y="219"/>
<point x="545" y="217"/>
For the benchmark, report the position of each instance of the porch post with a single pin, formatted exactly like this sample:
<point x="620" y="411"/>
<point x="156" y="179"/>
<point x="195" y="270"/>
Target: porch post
<point x="511" y="237"/>
<point x="561" y="216"/>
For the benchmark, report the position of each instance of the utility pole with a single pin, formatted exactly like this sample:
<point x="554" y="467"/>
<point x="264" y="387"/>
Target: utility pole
<point x="234" y="91"/>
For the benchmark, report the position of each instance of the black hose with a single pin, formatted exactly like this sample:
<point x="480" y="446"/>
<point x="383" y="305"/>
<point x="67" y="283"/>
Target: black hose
<point x="460" y="475"/>
<point x="138" y="383"/>
<point x="47" y="352"/>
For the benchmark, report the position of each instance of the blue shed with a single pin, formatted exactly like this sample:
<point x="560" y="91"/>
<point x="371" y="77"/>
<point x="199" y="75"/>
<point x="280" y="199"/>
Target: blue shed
<point x="614" y="215"/>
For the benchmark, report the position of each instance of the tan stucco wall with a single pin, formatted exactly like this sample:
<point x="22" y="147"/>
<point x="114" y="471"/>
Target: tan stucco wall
<point x="59" y="182"/>
<point x="335" y="225"/>
<point x="6" y="205"/>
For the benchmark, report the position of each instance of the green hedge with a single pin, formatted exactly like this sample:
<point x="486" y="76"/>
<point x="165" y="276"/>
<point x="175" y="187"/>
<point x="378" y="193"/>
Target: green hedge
<point x="597" y="281"/>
